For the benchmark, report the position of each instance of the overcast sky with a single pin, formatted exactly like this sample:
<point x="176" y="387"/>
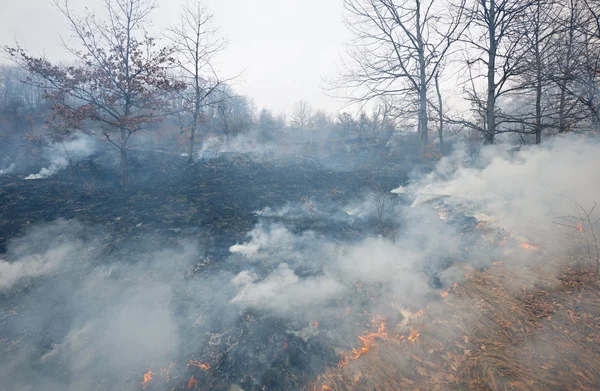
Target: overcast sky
<point x="283" y="47"/>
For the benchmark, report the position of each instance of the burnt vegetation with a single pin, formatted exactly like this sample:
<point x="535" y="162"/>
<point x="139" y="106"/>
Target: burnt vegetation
<point x="159" y="231"/>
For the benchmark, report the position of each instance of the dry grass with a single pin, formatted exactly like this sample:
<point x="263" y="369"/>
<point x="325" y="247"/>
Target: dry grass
<point x="492" y="332"/>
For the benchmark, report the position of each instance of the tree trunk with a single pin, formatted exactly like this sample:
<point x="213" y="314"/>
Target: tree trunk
<point x="538" y="110"/>
<point x="440" y="113"/>
<point x="423" y="118"/>
<point x="562" y="120"/>
<point x="423" y="125"/>
<point x="124" y="169"/>
<point x="191" y="145"/>
<point x="491" y="77"/>
<point x="538" y="75"/>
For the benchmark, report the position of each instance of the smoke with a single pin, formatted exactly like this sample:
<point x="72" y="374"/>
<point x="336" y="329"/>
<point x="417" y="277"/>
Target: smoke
<point x="9" y="170"/>
<point x="63" y="153"/>
<point x="101" y="316"/>
<point x="521" y="192"/>
<point x="284" y="291"/>
<point x="83" y="310"/>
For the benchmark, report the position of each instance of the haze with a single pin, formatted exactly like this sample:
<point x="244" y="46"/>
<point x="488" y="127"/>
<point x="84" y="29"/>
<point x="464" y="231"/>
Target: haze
<point x="282" y="48"/>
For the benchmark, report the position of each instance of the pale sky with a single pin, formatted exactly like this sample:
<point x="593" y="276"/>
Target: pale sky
<point x="284" y="47"/>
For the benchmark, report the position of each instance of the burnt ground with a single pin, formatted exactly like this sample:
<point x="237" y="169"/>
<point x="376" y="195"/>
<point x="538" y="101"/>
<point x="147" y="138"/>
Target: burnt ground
<point x="214" y="201"/>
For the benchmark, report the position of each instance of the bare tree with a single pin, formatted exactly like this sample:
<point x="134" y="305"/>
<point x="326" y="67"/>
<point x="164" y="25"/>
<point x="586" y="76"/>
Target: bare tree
<point x="495" y="48"/>
<point x="565" y="63"/>
<point x="196" y="42"/>
<point x="301" y="116"/>
<point x="538" y="42"/>
<point x="440" y="110"/>
<point x="398" y="48"/>
<point x="119" y="78"/>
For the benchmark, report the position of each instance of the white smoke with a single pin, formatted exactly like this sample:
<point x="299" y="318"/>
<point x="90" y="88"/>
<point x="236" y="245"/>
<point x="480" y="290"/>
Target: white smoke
<point x="283" y="291"/>
<point x="105" y="316"/>
<point x="61" y="154"/>
<point x="523" y="192"/>
<point x="9" y="170"/>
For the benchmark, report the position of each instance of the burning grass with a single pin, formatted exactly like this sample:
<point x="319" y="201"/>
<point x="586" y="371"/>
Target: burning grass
<point x="489" y="332"/>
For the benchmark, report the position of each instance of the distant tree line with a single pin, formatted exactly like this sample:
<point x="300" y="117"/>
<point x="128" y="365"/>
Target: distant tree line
<point x="524" y="67"/>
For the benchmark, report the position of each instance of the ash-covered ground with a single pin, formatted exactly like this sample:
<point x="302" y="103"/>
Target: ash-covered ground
<point x="245" y="271"/>
<point x="101" y="286"/>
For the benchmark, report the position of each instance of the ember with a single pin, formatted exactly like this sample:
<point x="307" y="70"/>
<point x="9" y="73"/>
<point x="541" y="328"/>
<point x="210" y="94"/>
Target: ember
<point x="192" y="383"/>
<point x="529" y="246"/>
<point x="147" y="379"/>
<point x="198" y="364"/>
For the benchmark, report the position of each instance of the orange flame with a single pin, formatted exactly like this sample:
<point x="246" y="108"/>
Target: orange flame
<point x="192" y="383"/>
<point x="529" y="246"/>
<point x="326" y="388"/>
<point x="413" y="336"/>
<point x="198" y="364"/>
<point x="580" y="227"/>
<point x="315" y="324"/>
<point x="147" y="379"/>
<point x="368" y="339"/>
<point x="443" y="215"/>
<point x="445" y="294"/>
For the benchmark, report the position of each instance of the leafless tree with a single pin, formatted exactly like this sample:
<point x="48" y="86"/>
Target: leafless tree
<point x="196" y="43"/>
<point x="566" y="63"/>
<point x="301" y="115"/>
<point x="495" y="58"/>
<point x="119" y="79"/>
<point x="539" y="25"/>
<point x="397" y="50"/>
<point x="379" y="198"/>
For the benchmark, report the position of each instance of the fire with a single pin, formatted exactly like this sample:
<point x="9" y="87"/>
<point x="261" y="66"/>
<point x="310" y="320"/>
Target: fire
<point x="198" y="364"/>
<point x="529" y="246"/>
<point x="315" y="324"/>
<point x="413" y="336"/>
<point x="147" y="379"/>
<point x="343" y="361"/>
<point x="192" y="383"/>
<point x="368" y="339"/>
<point x="326" y="388"/>
<point x="580" y="227"/>
<point x="447" y="292"/>
<point x="443" y="215"/>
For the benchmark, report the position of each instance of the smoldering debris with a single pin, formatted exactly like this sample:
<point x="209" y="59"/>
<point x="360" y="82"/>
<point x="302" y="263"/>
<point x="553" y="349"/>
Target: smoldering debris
<point x="61" y="154"/>
<point x="8" y="170"/>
